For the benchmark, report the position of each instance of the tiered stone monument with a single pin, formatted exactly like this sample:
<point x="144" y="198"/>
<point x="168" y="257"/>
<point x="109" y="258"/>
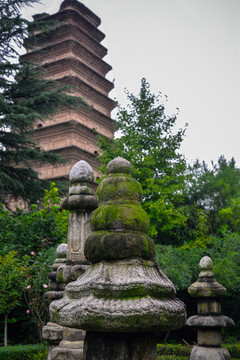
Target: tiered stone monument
<point x="123" y="298"/>
<point x="209" y="320"/>
<point x="81" y="201"/>
<point x="73" y="54"/>
<point x="57" y="288"/>
<point x="52" y="332"/>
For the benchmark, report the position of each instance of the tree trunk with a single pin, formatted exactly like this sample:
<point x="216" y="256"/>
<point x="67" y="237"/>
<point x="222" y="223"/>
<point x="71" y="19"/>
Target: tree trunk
<point x="5" y="329"/>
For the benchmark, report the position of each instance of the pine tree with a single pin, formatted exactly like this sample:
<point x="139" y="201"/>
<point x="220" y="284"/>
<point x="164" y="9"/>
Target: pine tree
<point x="25" y="98"/>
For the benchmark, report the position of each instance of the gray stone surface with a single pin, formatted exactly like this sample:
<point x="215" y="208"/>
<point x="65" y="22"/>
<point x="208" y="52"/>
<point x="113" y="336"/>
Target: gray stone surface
<point x="66" y="354"/>
<point x="209" y="353"/>
<point x="71" y="334"/>
<point x="206" y="263"/>
<point x="129" y="315"/>
<point x="52" y="332"/>
<point x="119" y="165"/>
<point x="78" y="231"/>
<point x="208" y="306"/>
<point x="68" y="273"/>
<point x="133" y="278"/>
<point x="56" y="289"/>
<point x="77" y="344"/>
<point x="61" y="251"/>
<point x="215" y="321"/>
<point x="209" y="337"/>
<point x="79" y="189"/>
<point x="81" y="172"/>
<point x="120" y="346"/>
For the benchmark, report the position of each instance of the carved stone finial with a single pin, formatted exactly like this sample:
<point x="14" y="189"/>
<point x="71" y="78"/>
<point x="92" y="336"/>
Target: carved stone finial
<point x="206" y="285"/>
<point x="206" y="263"/>
<point x="61" y="253"/>
<point x="119" y="165"/>
<point x="81" y="172"/>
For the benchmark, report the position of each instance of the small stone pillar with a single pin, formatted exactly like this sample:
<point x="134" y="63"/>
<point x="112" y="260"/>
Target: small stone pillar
<point x="209" y="320"/>
<point x="52" y="332"/>
<point x="123" y="298"/>
<point x="80" y="202"/>
<point x="57" y="288"/>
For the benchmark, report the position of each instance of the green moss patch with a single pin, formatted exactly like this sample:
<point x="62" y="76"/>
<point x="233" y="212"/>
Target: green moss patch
<point x="120" y="217"/>
<point x="103" y="245"/>
<point x="120" y="190"/>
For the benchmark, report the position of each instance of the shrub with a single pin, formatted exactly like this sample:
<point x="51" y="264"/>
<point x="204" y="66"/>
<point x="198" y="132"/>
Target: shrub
<point x="23" y="352"/>
<point x="181" y="352"/>
<point x="173" y="349"/>
<point x="234" y="350"/>
<point x="172" y="357"/>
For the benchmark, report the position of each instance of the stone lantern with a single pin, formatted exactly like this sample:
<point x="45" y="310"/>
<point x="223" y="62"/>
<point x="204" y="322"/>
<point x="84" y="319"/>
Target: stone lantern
<point x="123" y="298"/>
<point x="209" y="320"/>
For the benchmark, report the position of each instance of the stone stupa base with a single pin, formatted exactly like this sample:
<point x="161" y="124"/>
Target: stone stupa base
<point x="119" y="346"/>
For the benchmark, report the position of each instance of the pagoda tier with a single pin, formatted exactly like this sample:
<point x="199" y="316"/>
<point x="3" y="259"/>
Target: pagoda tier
<point x="72" y="54"/>
<point x="72" y="154"/>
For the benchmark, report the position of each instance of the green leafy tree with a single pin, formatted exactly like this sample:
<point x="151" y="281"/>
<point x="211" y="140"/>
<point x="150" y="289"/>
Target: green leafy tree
<point x="147" y="138"/>
<point x="180" y="264"/>
<point x="40" y="228"/>
<point x="25" y="98"/>
<point x="12" y="282"/>
<point x="34" y="235"/>
<point x="229" y="216"/>
<point x="213" y="192"/>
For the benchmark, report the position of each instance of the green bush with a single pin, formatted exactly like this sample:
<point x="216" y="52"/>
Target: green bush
<point x="173" y="349"/>
<point x="181" y="352"/>
<point x="23" y="352"/>
<point x="172" y="357"/>
<point x="41" y="355"/>
<point x="234" y="350"/>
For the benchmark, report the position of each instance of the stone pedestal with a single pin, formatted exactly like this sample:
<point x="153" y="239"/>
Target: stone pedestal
<point x="205" y="353"/>
<point x="71" y="347"/>
<point x="119" y="346"/>
<point x="53" y="334"/>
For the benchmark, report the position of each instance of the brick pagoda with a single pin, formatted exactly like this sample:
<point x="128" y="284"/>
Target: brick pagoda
<point x="73" y="54"/>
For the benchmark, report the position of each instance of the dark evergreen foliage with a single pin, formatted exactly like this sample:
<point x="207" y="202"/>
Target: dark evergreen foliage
<point x="25" y="99"/>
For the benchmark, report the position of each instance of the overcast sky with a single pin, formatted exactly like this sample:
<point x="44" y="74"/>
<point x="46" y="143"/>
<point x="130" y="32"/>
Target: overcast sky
<point x="186" y="49"/>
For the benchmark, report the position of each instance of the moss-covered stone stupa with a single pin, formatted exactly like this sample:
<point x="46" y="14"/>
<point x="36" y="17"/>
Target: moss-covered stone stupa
<point x="123" y="298"/>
